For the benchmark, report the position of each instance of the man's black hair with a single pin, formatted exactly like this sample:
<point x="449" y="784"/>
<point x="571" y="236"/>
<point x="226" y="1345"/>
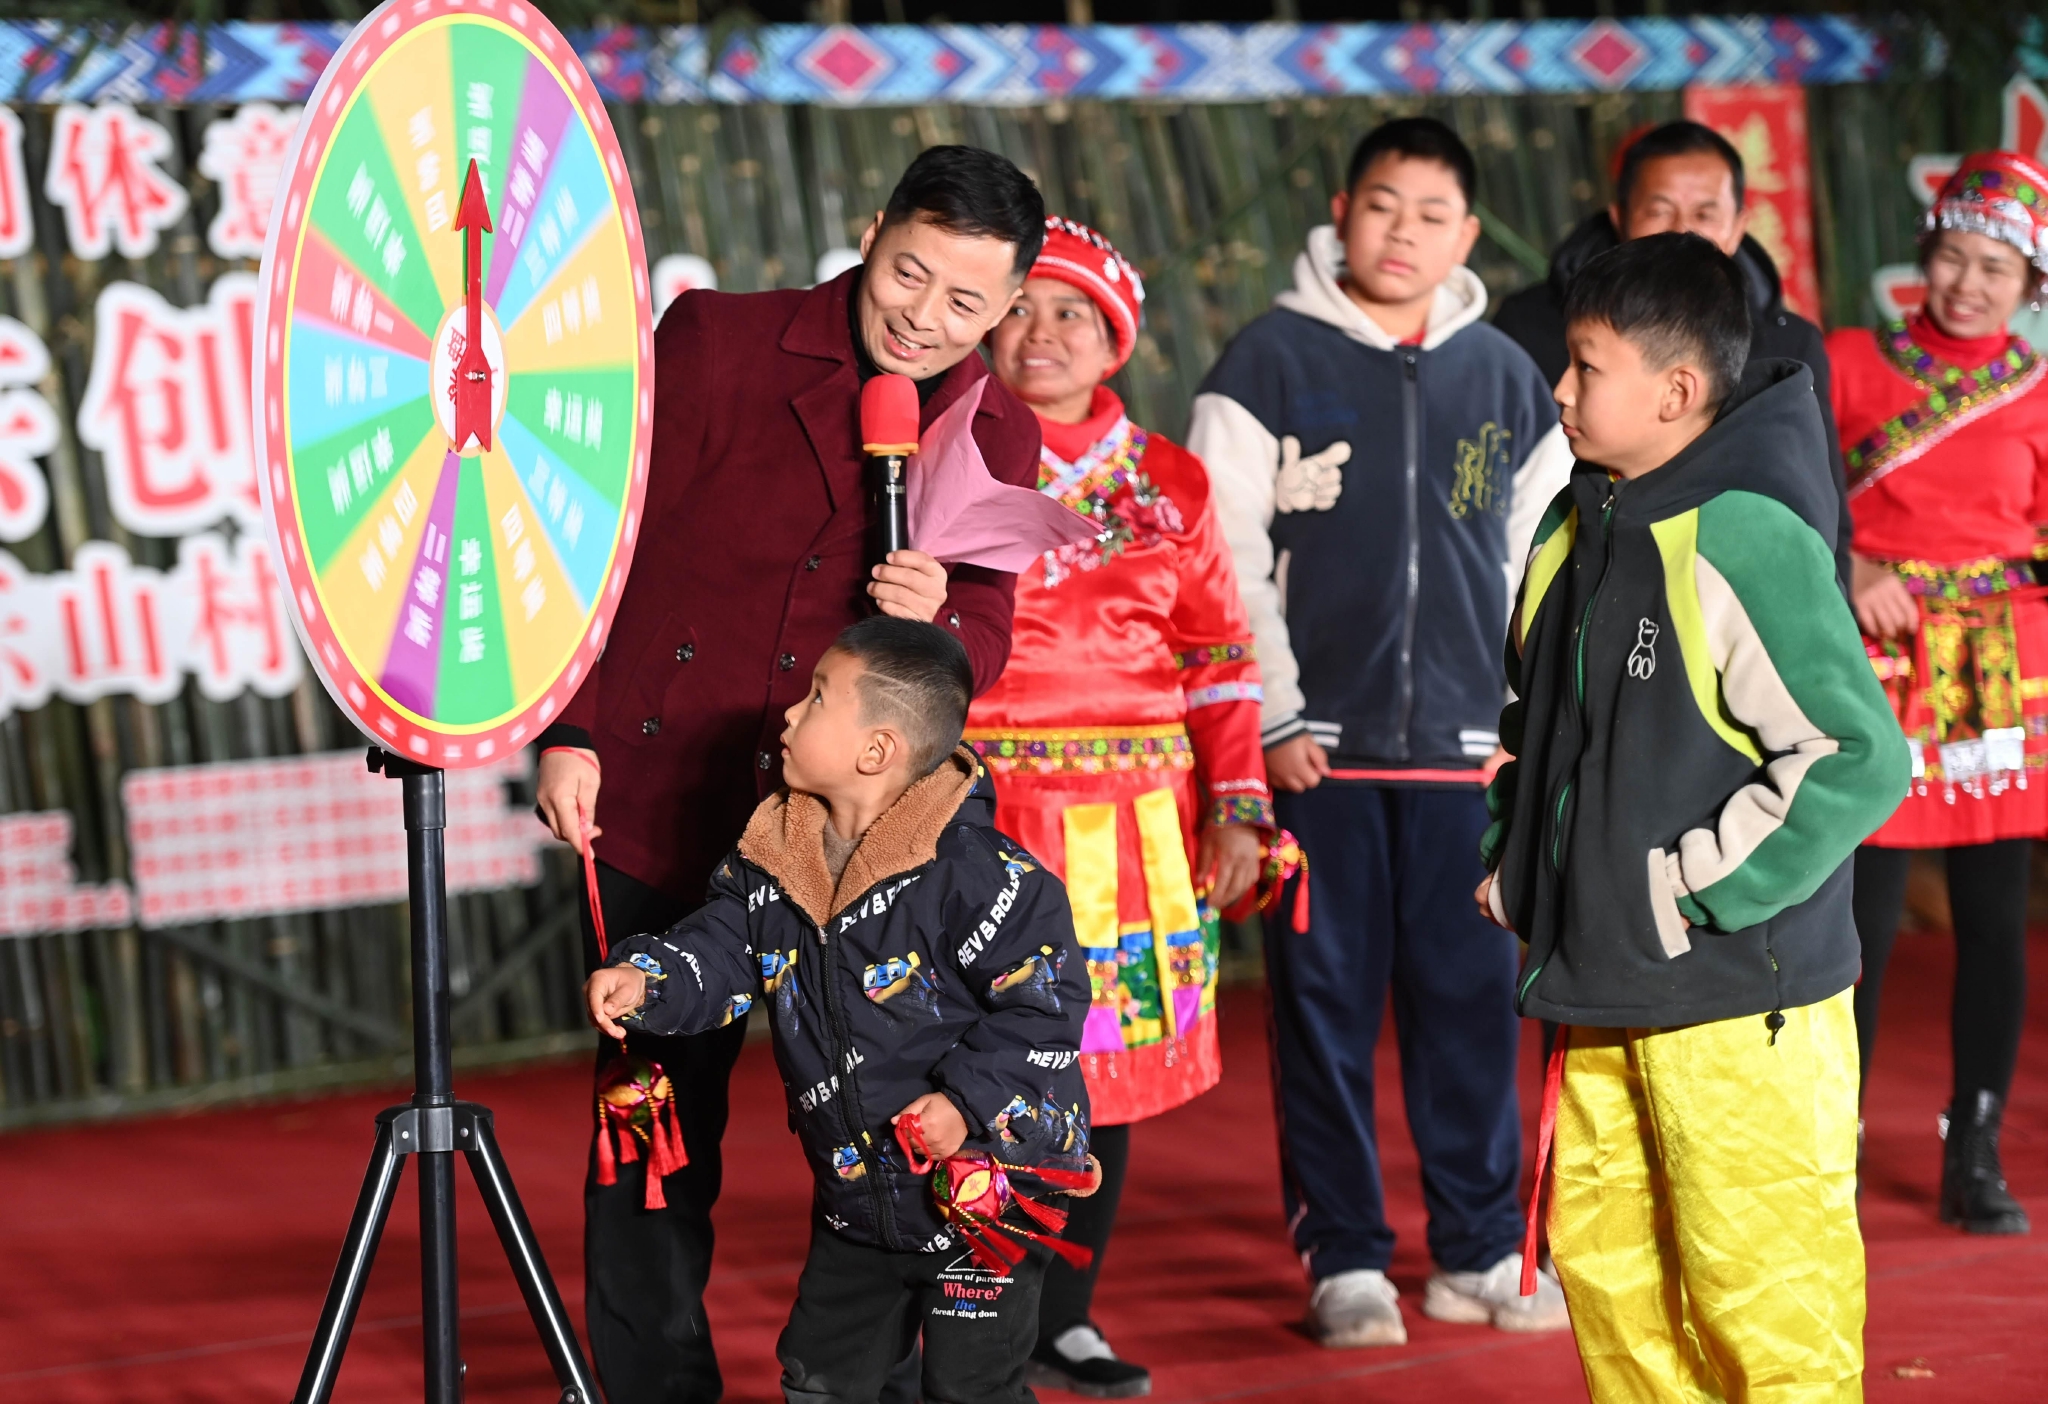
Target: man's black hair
<point x="965" y="190"/>
<point x="1417" y="139"/>
<point x="1675" y="297"/>
<point x="1679" y="138"/>
<point x="917" y="678"/>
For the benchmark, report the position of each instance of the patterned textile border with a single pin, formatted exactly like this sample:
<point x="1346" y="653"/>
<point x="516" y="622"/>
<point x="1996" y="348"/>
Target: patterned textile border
<point x="1012" y="65"/>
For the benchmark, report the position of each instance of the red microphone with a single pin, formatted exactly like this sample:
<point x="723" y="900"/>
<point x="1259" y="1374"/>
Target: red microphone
<point x="888" y="436"/>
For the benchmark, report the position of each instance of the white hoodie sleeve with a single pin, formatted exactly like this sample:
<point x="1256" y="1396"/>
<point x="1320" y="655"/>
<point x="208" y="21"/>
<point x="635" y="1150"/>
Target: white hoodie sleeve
<point x="1243" y="459"/>
<point x="1543" y="475"/>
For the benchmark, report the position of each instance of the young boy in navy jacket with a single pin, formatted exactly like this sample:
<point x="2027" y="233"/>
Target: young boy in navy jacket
<point x="913" y="962"/>
<point x="1380" y="458"/>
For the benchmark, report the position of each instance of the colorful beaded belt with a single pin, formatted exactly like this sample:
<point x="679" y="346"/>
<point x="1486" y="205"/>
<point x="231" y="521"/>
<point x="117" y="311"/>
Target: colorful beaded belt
<point x="1091" y="752"/>
<point x="1991" y="576"/>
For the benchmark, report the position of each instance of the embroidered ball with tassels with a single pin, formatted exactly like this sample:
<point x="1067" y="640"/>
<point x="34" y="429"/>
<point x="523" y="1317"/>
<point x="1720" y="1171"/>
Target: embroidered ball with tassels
<point x="971" y="1191"/>
<point x="636" y="1103"/>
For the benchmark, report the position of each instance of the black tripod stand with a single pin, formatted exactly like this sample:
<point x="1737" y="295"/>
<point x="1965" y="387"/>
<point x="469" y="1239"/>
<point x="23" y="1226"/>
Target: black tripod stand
<point x="433" y="1126"/>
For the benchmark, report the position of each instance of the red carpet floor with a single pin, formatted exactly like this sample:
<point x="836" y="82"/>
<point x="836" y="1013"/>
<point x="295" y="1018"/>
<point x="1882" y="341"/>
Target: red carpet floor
<point x="182" y="1260"/>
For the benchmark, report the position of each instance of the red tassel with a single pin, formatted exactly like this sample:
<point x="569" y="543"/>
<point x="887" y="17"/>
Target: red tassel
<point x="1301" y="902"/>
<point x="1076" y="1256"/>
<point x="607" y="1167"/>
<point x="1046" y="1216"/>
<point x="629" y="1145"/>
<point x="1081" y="1183"/>
<point x="678" y="1153"/>
<point x="655" y="1199"/>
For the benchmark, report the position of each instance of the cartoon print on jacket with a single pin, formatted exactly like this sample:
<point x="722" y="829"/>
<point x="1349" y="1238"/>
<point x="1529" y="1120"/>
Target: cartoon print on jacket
<point x="1036" y="981"/>
<point x="901" y="975"/>
<point x="778" y="979"/>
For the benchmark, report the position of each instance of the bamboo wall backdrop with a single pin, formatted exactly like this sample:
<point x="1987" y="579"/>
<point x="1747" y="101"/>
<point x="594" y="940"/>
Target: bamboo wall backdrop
<point x="1212" y="202"/>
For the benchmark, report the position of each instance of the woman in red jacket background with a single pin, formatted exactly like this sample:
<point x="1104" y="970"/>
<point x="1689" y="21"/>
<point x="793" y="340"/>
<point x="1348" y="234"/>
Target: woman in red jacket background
<point x="1124" y="737"/>
<point x="1944" y="419"/>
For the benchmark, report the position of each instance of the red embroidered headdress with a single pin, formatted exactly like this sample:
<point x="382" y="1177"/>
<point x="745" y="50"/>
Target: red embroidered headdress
<point x="1077" y="255"/>
<point x="1999" y="194"/>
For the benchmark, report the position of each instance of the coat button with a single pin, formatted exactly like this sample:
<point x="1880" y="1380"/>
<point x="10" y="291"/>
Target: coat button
<point x="786" y="662"/>
<point x="763" y="759"/>
<point x="814" y="562"/>
<point x="686" y="653"/>
<point x="650" y="727"/>
<point x="953" y="619"/>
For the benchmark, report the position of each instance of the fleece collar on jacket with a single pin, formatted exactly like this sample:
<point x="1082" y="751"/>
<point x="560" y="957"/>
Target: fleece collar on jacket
<point x="785" y="838"/>
<point x="1459" y="302"/>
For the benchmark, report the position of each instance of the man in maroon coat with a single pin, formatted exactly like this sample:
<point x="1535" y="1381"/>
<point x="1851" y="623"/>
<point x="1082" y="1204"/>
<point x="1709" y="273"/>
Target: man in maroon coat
<point x="753" y="557"/>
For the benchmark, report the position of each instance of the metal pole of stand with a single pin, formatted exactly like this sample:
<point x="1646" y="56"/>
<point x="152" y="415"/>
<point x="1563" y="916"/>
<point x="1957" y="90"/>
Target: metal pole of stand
<point x="426" y="817"/>
<point x="432" y="1127"/>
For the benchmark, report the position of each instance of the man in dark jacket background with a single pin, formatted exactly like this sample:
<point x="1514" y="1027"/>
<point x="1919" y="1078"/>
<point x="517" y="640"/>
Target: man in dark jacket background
<point x="1682" y="178"/>
<point x="753" y="557"/>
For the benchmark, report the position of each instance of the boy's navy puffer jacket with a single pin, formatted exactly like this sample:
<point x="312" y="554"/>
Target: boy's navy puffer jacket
<point x="943" y="959"/>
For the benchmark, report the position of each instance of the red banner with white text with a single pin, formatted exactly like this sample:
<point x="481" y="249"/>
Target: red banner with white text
<point x="1767" y="125"/>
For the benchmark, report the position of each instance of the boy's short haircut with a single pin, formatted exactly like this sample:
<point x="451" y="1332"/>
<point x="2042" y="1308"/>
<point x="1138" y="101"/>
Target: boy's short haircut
<point x="915" y="677"/>
<point x="967" y="191"/>
<point x="1417" y="139"/>
<point x="1680" y="138"/>
<point x="1675" y="297"/>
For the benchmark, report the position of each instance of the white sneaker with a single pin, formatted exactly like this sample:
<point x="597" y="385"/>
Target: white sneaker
<point x="1356" y="1308"/>
<point x="1494" y="1297"/>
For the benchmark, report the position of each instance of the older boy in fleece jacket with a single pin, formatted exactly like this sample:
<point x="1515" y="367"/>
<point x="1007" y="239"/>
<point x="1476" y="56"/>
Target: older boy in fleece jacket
<point x="1380" y="456"/>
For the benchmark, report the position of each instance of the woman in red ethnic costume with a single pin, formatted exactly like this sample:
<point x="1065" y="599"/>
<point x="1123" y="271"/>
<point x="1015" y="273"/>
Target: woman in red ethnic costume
<point x="1124" y="738"/>
<point x="1944" y="421"/>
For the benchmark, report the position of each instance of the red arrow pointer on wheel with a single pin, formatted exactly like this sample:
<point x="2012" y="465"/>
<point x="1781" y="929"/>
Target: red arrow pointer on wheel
<point x="472" y="371"/>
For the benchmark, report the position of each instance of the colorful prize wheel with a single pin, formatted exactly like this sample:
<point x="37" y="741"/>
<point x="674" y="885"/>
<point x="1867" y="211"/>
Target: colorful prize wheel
<point x="456" y="377"/>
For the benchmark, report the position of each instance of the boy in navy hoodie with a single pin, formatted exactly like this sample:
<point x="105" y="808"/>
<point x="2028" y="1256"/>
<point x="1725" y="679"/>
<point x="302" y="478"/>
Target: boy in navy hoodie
<point x="1380" y="459"/>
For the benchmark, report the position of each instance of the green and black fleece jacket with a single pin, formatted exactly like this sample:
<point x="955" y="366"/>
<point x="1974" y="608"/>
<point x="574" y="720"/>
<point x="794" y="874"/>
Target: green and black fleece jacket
<point x="1700" y="743"/>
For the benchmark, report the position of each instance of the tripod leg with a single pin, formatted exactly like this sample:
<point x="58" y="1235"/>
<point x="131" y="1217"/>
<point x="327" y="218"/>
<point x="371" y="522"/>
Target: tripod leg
<point x="494" y="1181"/>
<point x="345" y="1291"/>
<point x="439" y="1322"/>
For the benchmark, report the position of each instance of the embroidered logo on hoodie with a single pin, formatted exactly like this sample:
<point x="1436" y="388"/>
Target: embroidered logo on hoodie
<point x="1642" y="659"/>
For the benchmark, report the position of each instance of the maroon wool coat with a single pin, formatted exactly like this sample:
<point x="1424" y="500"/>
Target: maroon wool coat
<point x="752" y="558"/>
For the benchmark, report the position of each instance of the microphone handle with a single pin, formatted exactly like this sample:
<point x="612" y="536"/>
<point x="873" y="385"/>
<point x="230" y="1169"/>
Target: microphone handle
<point x="892" y="499"/>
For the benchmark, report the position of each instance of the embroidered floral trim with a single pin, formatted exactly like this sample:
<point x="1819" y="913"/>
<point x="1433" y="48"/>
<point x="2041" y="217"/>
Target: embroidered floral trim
<point x="1953" y="396"/>
<point x="1224" y="692"/>
<point x="1972" y="581"/>
<point x="1242" y="809"/>
<point x="1107" y="486"/>
<point x="1090" y="753"/>
<point x="1215" y="653"/>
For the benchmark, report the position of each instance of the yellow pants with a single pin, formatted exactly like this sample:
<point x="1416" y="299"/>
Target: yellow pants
<point x="1703" y="1210"/>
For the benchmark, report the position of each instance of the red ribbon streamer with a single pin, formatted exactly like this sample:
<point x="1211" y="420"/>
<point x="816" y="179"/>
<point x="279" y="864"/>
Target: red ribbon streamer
<point x="629" y="1088"/>
<point x="1546" y="1131"/>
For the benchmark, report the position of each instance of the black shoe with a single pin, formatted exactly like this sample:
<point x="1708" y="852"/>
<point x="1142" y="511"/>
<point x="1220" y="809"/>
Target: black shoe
<point x="1098" y="1377"/>
<point x="1973" y="1192"/>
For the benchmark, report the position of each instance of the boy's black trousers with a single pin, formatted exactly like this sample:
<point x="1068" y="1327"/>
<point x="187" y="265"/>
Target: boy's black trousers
<point x="859" y="1310"/>
<point x="645" y="1269"/>
<point x="1391" y="875"/>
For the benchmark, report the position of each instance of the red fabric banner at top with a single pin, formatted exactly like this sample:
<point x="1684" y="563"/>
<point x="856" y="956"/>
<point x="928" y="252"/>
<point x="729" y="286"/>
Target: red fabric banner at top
<point x="1768" y="126"/>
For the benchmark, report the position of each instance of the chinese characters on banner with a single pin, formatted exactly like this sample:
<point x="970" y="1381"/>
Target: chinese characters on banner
<point x="1767" y="125"/>
<point x="256" y="838"/>
<point x="39" y="888"/>
<point x="28" y="430"/>
<point x="103" y="174"/>
<point x="242" y="157"/>
<point x="108" y="625"/>
<point x="166" y="404"/>
<point x="261" y="838"/>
